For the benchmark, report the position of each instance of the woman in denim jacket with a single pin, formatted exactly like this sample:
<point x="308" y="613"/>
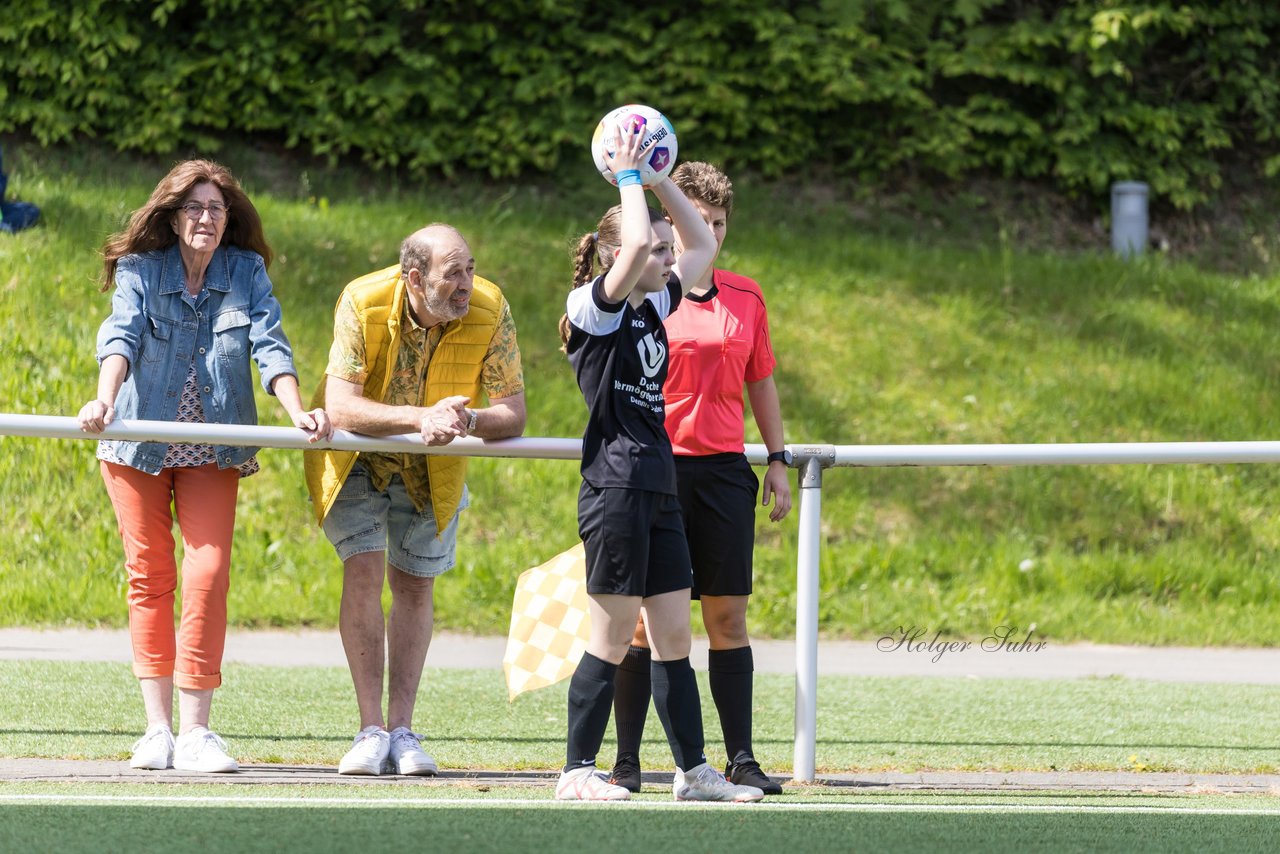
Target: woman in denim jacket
<point x="192" y="305"/>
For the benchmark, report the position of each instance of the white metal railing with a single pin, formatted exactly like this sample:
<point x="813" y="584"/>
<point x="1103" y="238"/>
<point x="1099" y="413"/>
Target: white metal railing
<point x="811" y="460"/>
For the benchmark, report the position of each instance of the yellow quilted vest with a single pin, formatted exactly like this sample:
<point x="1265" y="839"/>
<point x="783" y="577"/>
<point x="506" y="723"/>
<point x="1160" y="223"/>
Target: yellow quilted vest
<point x="455" y="368"/>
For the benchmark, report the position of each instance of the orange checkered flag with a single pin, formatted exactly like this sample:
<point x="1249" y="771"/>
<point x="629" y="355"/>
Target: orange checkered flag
<point x="550" y="624"/>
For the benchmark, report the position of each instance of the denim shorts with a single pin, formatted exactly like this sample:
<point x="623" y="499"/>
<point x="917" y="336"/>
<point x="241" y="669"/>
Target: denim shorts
<point x="363" y="519"/>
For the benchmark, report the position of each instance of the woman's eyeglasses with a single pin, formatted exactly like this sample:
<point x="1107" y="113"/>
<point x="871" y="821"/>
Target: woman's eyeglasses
<point x="195" y="210"/>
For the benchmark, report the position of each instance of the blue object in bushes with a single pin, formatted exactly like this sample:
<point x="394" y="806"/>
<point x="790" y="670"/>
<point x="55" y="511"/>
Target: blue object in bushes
<point x="14" y="216"/>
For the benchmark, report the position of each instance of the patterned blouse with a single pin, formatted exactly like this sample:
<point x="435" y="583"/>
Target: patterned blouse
<point x="501" y="376"/>
<point x="190" y="411"/>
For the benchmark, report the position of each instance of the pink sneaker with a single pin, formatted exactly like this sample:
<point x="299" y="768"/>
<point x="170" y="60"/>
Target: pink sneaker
<point x="588" y="784"/>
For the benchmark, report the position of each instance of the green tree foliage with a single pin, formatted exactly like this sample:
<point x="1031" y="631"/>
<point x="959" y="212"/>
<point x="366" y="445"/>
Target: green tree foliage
<point x="1075" y="93"/>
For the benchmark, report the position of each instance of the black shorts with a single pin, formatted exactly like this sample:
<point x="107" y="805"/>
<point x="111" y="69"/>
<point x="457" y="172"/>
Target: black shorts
<point x="718" y="499"/>
<point x="634" y="541"/>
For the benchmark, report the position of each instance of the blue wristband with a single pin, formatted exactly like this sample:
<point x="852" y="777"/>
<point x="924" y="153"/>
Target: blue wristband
<point x="628" y="177"/>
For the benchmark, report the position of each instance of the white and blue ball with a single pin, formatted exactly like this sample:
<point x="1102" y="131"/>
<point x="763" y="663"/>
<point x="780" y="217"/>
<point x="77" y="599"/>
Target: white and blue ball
<point x="660" y="136"/>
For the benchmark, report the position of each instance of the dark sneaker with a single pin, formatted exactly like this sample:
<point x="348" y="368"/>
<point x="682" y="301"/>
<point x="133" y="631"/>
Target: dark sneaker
<point x="748" y="773"/>
<point x="626" y="772"/>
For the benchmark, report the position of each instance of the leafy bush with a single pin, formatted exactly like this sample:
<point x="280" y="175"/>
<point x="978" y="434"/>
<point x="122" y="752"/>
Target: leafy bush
<point x="1075" y="93"/>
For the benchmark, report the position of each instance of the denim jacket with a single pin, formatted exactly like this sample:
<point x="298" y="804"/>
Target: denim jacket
<point x="234" y="317"/>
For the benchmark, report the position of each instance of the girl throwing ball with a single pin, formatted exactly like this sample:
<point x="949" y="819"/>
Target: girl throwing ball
<point x="626" y="280"/>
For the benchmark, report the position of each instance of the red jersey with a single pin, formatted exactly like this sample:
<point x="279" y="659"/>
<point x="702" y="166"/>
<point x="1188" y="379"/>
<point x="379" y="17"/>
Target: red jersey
<point x="718" y="341"/>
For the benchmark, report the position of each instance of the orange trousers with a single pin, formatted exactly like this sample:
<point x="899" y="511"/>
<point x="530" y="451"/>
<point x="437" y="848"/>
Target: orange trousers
<point x="204" y="498"/>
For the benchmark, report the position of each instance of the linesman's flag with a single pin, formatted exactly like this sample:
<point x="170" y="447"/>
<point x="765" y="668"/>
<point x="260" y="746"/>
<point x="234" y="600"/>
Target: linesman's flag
<point x="550" y="624"/>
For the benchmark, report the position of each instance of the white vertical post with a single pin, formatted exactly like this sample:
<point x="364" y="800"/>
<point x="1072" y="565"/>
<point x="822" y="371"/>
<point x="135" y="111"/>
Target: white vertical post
<point x="807" y="619"/>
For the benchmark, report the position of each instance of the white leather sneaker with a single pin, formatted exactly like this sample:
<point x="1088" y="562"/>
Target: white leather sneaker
<point x="407" y="755"/>
<point x="204" y="751"/>
<point x="705" y="783"/>
<point x="154" y="751"/>
<point x="368" y="752"/>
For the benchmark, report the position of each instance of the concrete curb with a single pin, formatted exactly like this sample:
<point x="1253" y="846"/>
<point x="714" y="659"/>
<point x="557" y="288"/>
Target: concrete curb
<point x="99" y="771"/>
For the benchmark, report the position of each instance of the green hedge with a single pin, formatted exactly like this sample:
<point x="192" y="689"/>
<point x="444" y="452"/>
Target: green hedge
<point x="1075" y="93"/>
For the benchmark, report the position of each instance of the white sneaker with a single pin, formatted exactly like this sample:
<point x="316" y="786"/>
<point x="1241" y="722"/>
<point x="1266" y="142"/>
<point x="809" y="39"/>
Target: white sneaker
<point x="204" y="751"/>
<point x="154" y="751"/>
<point x="407" y="755"/>
<point x="705" y="783"/>
<point x="368" y="752"/>
<point x="588" y="784"/>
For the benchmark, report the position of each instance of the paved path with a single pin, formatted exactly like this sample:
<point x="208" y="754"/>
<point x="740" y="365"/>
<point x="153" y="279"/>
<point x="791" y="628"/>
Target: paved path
<point x="891" y="656"/>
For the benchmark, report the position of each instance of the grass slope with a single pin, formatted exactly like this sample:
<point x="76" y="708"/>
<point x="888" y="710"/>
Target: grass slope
<point x="885" y="335"/>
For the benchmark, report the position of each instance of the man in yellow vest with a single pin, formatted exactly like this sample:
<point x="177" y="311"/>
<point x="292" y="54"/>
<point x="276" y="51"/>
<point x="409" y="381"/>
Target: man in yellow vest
<point x="414" y="346"/>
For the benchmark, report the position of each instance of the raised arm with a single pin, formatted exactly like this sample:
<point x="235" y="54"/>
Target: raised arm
<point x="628" y="147"/>
<point x="697" y="242"/>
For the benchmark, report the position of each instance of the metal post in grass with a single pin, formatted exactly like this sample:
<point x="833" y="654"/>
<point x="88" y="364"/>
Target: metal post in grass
<point x="1129" y="218"/>
<point x="811" y="461"/>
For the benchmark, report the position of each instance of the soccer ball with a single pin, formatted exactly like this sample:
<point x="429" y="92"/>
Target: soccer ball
<point x="660" y="136"/>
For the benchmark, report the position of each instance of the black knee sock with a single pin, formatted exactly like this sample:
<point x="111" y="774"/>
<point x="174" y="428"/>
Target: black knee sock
<point x="675" y="696"/>
<point x="731" y="682"/>
<point x="631" y="699"/>
<point x="590" y="698"/>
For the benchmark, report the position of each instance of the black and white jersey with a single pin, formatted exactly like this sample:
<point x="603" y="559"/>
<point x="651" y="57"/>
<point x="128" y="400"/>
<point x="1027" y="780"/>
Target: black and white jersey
<point x="619" y="355"/>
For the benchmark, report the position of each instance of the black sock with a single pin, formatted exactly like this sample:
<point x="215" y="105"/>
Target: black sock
<point x="631" y="699"/>
<point x="590" y="698"/>
<point x="731" y="681"/>
<point x="675" y="696"/>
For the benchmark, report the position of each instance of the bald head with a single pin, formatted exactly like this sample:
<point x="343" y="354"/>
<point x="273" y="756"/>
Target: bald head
<point x="438" y="268"/>
<point x="434" y="240"/>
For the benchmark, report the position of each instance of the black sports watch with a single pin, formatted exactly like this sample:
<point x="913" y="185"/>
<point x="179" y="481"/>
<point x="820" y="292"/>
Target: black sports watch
<point x="783" y="456"/>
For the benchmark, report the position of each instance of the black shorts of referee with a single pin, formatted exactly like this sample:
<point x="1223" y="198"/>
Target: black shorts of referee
<point x="718" y="500"/>
<point x="634" y="541"/>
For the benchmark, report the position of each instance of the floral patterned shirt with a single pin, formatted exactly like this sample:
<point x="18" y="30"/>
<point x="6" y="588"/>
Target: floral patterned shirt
<point x="501" y="376"/>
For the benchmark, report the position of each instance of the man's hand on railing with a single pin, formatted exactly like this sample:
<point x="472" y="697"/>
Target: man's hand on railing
<point x="445" y="420"/>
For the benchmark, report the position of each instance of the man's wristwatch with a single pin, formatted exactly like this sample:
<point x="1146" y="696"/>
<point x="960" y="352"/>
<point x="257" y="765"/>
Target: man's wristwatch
<point x="472" y="417"/>
<point x="782" y="456"/>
